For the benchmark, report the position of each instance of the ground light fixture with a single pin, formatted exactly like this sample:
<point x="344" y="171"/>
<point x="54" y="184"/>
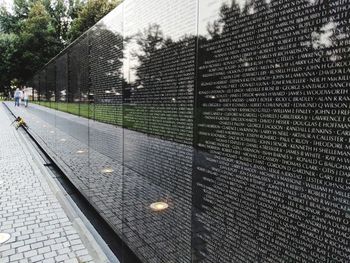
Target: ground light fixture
<point x="4" y="237"/>
<point x="159" y="206"/>
<point x="62" y="140"/>
<point x="107" y="170"/>
<point x="52" y="132"/>
<point x="80" y="151"/>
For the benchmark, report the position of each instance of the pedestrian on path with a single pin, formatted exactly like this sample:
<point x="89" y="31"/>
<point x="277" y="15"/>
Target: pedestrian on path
<point x="25" y="98"/>
<point x="17" y="96"/>
<point x="20" y="96"/>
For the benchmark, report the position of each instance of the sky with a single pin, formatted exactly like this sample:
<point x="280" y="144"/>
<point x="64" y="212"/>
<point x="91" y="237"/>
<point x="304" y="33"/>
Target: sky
<point x="7" y="3"/>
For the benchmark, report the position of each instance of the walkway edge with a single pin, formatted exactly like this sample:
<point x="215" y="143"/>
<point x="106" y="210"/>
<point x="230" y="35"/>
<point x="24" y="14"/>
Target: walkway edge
<point x="96" y="246"/>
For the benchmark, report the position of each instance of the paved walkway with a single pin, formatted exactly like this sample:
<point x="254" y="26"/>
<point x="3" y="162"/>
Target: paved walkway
<point x="40" y="229"/>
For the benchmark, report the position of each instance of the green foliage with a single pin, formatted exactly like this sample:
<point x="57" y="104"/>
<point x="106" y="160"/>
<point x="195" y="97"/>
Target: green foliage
<point x="34" y="31"/>
<point x="38" y="41"/>
<point x="8" y="48"/>
<point x="11" y="22"/>
<point x="8" y="22"/>
<point x="89" y="15"/>
<point x="62" y="13"/>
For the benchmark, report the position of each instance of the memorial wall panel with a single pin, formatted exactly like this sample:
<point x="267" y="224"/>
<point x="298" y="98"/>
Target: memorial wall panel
<point x="50" y="82"/>
<point x="78" y="155"/>
<point x="62" y="81"/>
<point x="72" y="132"/>
<point x="105" y="138"/>
<point x="42" y="85"/>
<point x="50" y="102"/>
<point x="159" y="68"/>
<point x="76" y="57"/>
<point x="36" y="87"/>
<point x="233" y="114"/>
<point x="270" y="172"/>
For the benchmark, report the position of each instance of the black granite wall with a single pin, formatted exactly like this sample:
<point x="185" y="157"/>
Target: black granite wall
<point x="234" y="113"/>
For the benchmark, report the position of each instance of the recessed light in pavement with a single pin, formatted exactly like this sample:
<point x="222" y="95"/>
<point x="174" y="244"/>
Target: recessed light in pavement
<point x="80" y="151"/>
<point x="4" y="237"/>
<point x="107" y="170"/>
<point x="159" y="206"/>
<point x="62" y="140"/>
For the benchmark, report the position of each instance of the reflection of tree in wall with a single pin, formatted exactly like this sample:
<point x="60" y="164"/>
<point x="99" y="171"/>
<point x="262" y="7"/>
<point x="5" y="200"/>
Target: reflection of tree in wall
<point x="79" y="70"/>
<point x="36" y="86"/>
<point x="149" y="42"/>
<point x="50" y="82"/>
<point x="162" y="95"/>
<point x="62" y="78"/>
<point x="42" y="85"/>
<point x="106" y="74"/>
<point x="263" y="49"/>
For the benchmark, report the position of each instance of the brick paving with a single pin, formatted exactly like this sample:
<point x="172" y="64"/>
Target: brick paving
<point x="40" y="229"/>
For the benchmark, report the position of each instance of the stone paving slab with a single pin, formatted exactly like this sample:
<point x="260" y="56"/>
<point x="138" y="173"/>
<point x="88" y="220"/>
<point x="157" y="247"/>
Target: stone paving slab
<point x="39" y="227"/>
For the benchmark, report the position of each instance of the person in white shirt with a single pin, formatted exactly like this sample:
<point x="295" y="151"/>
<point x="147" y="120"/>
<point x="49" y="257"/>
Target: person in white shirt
<point x="20" y="96"/>
<point x="25" y="98"/>
<point x="17" y="96"/>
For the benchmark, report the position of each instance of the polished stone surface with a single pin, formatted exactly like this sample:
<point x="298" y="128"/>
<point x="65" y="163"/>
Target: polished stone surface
<point x="235" y="113"/>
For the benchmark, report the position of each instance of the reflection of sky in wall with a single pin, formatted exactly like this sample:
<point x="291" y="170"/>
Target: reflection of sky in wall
<point x="176" y="19"/>
<point x="113" y="21"/>
<point x="209" y="12"/>
<point x="324" y="38"/>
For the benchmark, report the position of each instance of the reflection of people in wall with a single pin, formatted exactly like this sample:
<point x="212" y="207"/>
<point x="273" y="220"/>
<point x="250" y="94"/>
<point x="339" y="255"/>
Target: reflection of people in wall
<point x="20" y="96"/>
<point x="25" y="98"/>
<point x="17" y="96"/>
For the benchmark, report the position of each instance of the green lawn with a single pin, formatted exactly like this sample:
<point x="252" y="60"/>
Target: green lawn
<point x="104" y="113"/>
<point x="166" y="122"/>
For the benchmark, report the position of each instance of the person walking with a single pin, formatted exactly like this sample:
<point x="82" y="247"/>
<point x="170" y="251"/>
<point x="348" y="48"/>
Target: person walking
<point x="20" y="96"/>
<point x="17" y="96"/>
<point x="25" y="98"/>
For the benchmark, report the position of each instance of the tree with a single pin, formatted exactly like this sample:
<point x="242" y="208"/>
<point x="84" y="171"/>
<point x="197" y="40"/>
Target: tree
<point x="8" y="48"/>
<point x="38" y="41"/>
<point x="11" y="21"/>
<point x="89" y="15"/>
<point x="62" y="14"/>
<point x="8" y="23"/>
<point x="34" y="31"/>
